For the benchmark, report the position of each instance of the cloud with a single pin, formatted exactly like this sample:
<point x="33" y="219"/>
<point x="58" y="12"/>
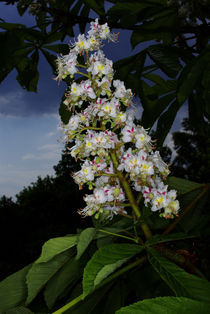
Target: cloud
<point x="28" y="156"/>
<point x="48" y="147"/>
<point x="44" y="152"/>
<point x="50" y="134"/>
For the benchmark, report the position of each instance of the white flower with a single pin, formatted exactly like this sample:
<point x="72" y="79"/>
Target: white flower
<point x="120" y="90"/>
<point x="104" y="31"/>
<point x="128" y="132"/>
<point x="76" y="89"/>
<point x="147" y="168"/>
<point x="101" y="67"/>
<point x="142" y="138"/>
<point x="74" y="122"/>
<point x="87" y="90"/>
<point x="81" y="44"/>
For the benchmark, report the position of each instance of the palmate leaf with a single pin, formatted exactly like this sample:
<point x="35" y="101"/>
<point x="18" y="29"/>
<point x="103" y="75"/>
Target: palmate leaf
<point x="56" y="246"/>
<point x="105" y="261"/>
<point x="92" y="302"/>
<point x="181" y="283"/>
<point x="182" y="186"/>
<point x="59" y="48"/>
<point x="63" y="112"/>
<point x="165" y="121"/>
<point x="154" y="108"/>
<point x="19" y="310"/>
<point x="28" y="74"/>
<point x="62" y="280"/>
<point x="40" y="274"/>
<point x="84" y="240"/>
<point x="14" y="48"/>
<point x="125" y="66"/>
<point x="96" y="5"/>
<point x="191" y="76"/>
<point x="166" y="305"/>
<point x="51" y="59"/>
<point x="158" y="238"/>
<point x="13" y="289"/>
<point x="166" y="58"/>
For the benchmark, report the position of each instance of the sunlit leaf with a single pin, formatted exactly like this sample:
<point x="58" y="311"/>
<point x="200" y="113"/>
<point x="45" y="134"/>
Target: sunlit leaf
<point x="85" y="238"/>
<point x="166" y="305"/>
<point x="13" y="289"/>
<point x="40" y="274"/>
<point x="56" y="246"/>
<point x="105" y="261"/>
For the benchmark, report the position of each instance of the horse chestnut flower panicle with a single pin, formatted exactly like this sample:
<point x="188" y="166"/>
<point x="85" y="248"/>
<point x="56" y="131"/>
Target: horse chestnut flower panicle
<point x="101" y="126"/>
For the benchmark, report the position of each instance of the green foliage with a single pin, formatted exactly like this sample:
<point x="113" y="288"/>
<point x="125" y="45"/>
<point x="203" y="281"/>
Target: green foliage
<point x="105" y="261"/>
<point x="84" y="240"/>
<point x="56" y="246"/>
<point x="182" y="186"/>
<point x="19" y="310"/>
<point x="167" y="238"/>
<point x="40" y="274"/>
<point x="170" y="305"/>
<point x="182" y="283"/>
<point x="13" y="289"/>
<point x="64" y="279"/>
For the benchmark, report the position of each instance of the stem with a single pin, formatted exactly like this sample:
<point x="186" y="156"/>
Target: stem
<point x="139" y="198"/>
<point x="106" y="174"/>
<point x="89" y="128"/>
<point x="78" y="72"/>
<point x="107" y="280"/>
<point x="118" y="235"/>
<point x="117" y="204"/>
<point x="187" y="209"/>
<point x="125" y="215"/>
<point x="70" y="304"/>
<point x="82" y="66"/>
<point x="145" y="228"/>
<point x="126" y="186"/>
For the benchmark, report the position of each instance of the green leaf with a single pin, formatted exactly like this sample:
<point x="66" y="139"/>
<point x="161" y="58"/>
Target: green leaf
<point x="158" y="238"/>
<point x="182" y="186"/>
<point x="65" y="277"/>
<point x="166" y="58"/>
<point x="85" y="12"/>
<point x="165" y="122"/>
<point x="19" y="310"/>
<point x="85" y="239"/>
<point x="51" y="59"/>
<point x="14" y="49"/>
<point x="96" y="5"/>
<point x="166" y="305"/>
<point x="64" y="113"/>
<point x="28" y="74"/>
<point x="190" y="77"/>
<point x="59" y="48"/>
<point x="125" y="66"/>
<point x="23" y="5"/>
<point x="153" y="109"/>
<point x="56" y="246"/>
<point x="91" y="302"/>
<point x="13" y="289"/>
<point x="105" y="261"/>
<point x="182" y="283"/>
<point x="39" y="274"/>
